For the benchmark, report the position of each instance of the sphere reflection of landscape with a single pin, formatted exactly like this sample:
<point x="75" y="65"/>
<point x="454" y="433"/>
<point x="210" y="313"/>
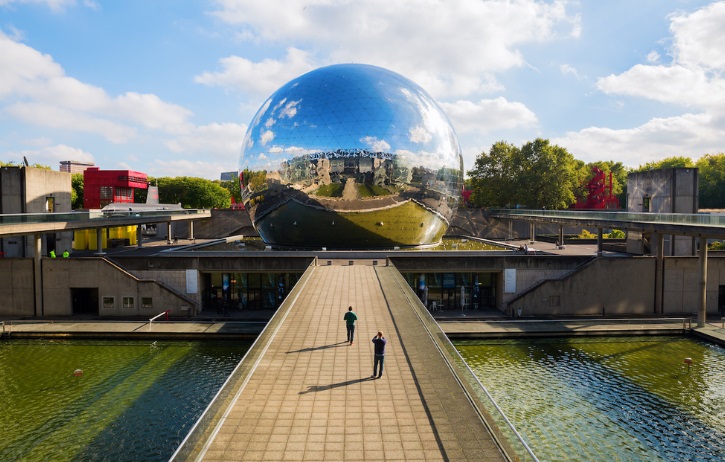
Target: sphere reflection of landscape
<point x="351" y="156"/>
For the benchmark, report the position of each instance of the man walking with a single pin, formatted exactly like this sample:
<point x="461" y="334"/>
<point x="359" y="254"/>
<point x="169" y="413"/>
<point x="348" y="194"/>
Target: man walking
<point x="379" y="342"/>
<point x="350" y="318"/>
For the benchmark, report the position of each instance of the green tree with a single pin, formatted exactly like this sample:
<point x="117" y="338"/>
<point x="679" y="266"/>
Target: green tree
<point x="76" y="192"/>
<point x="538" y="175"/>
<point x="711" y="176"/>
<point x="548" y="175"/>
<point x="492" y="179"/>
<point x="233" y="187"/>
<point x="668" y="162"/>
<point x="192" y="192"/>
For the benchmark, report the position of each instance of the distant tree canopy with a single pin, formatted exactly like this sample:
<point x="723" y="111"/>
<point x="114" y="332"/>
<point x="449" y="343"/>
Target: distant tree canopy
<point x="191" y="192"/>
<point x="76" y="193"/>
<point x="537" y="175"/>
<point x="542" y="175"/>
<point x="13" y="164"/>
<point x="711" y="176"/>
<point x="667" y="162"/>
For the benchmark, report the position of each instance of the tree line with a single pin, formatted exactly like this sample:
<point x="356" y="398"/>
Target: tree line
<point x="190" y="192"/>
<point x="543" y="175"/>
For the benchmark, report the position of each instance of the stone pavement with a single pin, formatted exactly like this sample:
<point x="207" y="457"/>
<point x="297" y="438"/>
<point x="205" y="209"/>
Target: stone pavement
<point x="311" y="396"/>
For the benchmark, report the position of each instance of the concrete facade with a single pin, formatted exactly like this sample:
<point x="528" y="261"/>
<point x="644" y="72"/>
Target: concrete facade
<point x="623" y="286"/>
<point x="34" y="190"/>
<point x="669" y="190"/>
<point x="119" y="293"/>
<point x="542" y="285"/>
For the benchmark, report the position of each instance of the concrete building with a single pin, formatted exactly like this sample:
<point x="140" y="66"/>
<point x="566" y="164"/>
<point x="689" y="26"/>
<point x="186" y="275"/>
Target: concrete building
<point x="34" y="190"/>
<point x="669" y="190"/>
<point x="74" y="166"/>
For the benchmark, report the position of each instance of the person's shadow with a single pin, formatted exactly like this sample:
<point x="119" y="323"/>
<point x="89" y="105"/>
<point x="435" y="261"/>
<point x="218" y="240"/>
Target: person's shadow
<point x="323" y="347"/>
<point x="316" y="388"/>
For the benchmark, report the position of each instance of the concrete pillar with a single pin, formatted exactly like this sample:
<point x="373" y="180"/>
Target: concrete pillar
<point x="168" y="232"/>
<point x="600" y="241"/>
<point x="139" y="236"/>
<point x="658" y="240"/>
<point x="532" y="232"/>
<point x="191" y="230"/>
<point x="99" y="241"/>
<point x="38" y="273"/>
<point x="561" y="235"/>
<point x="702" y="299"/>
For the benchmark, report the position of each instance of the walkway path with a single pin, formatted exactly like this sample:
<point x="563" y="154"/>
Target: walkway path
<point x="311" y="396"/>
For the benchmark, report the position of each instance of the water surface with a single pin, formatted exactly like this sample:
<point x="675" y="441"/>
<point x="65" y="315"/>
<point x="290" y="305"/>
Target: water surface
<point x="608" y="399"/>
<point x="135" y="400"/>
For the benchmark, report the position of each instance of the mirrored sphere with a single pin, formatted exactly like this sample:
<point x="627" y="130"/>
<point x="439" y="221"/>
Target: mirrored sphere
<point x="350" y="156"/>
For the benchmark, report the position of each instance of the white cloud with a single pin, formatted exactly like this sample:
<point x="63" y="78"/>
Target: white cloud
<point x="50" y="155"/>
<point x="53" y="5"/>
<point x="257" y="79"/>
<point x="38" y="91"/>
<point x="693" y="79"/>
<point x="192" y="168"/>
<point x="488" y="115"/>
<point x="567" y="69"/>
<point x="690" y="135"/>
<point x="222" y="141"/>
<point x="376" y="144"/>
<point x="449" y="48"/>
<point x="62" y="119"/>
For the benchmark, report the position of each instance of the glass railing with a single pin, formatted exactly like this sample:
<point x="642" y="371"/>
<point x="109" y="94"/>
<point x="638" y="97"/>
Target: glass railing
<point x="700" y="219"/>
<point x="18" y="218"/>
<point x="202" y="434"/>
<point x="508" y="438"/>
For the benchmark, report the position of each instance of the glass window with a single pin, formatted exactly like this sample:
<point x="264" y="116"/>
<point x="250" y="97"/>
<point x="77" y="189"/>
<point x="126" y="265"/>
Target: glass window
<point x="147" y="302"/>
<point x="255" y="280"/>
<point x="109" y="302"/>
<point x="128" y="302"/>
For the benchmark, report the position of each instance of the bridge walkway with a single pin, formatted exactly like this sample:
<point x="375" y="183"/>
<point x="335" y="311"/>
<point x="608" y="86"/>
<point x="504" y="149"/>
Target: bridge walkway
<point x="311" y="397"/>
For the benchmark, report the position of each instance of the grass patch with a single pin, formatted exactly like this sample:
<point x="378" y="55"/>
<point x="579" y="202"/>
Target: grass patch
<point x="329" y="190"/>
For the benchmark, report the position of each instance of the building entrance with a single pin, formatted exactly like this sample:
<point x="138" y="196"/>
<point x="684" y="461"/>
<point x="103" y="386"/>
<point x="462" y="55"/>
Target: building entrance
<point x="84" y="301"/>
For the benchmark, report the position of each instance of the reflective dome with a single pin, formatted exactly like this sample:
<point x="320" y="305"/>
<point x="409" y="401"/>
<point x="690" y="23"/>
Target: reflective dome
<point x="350" y="156"/>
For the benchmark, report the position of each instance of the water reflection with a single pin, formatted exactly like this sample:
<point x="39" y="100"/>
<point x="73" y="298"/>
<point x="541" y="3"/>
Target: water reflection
<point x="332" y="157"/>
<point x="608" y="399"/>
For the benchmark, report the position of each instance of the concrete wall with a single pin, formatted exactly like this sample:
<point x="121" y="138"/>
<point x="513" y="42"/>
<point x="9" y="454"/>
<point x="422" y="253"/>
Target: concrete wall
<point x="682" y="287"/>
<point x="475" y="222"/>
<point x="16" y="286"/>
<point x="626" y="286"/>
<point x="620" y="285"/>
<point x="28" y="190"/>
<point x="62" y="275"/>
<point x="669" y="190"/>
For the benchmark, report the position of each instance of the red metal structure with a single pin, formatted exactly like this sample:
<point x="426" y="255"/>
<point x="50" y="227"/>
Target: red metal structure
<point x="600" y="193"/>
<point x="103" y="187"/>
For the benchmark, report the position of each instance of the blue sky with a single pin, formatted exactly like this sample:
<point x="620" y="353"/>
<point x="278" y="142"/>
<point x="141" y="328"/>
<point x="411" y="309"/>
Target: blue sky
<point x="167" y="87"/>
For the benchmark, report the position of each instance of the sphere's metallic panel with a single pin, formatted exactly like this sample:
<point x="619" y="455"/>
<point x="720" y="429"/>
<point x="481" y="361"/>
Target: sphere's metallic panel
<point x="356" y="142"/>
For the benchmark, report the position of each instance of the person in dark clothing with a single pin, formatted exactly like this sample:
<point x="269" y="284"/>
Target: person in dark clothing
<point x="350" y="318"/>
<point x="379" y="342"/>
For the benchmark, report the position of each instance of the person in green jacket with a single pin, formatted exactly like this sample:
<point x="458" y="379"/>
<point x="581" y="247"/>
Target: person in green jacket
<point x="350" y="318"/>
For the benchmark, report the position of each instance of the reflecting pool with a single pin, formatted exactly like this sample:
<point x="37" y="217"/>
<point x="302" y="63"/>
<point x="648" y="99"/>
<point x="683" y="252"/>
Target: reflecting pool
<point x="106" y="400"/>
<point x="608" y="399"/>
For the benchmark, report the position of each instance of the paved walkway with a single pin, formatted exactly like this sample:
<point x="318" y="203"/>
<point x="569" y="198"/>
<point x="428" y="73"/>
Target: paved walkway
<point x="311" y="396"/>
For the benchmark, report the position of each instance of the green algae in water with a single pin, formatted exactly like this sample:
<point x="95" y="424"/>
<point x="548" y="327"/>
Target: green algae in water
<point x="134" y="401"/>
<point x="608" y="399"/>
